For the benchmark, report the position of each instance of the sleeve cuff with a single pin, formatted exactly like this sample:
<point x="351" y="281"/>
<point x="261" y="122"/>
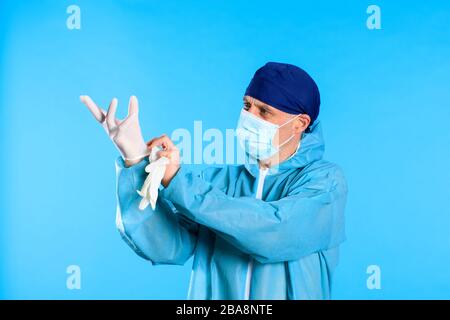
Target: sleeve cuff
<point x="142" y="164"/>
<point x="176" y="186"/>
<point x="136" y="172"/>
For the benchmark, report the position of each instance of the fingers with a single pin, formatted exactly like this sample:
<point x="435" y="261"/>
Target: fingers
<point x="165" y="153"/>
<point x="162" y="141"/>
<point x="172" y="157"/>
<point x="98" y="113"/>
<point x="150" y="142"/>
<point x="133" y="109"/>
<point x="111" y="115"/>
<point x="133" y="105"/>
<point x="101" y="115"/>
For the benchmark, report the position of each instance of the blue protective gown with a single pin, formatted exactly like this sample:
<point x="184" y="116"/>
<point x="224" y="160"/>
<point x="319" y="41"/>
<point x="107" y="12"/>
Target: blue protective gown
<point x="254" y="234"/>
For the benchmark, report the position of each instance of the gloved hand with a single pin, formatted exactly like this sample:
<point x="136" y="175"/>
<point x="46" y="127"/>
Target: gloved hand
<point x="126" y="134"/>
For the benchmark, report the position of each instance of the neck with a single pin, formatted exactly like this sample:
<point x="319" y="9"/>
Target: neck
<point x="285" y="153"/>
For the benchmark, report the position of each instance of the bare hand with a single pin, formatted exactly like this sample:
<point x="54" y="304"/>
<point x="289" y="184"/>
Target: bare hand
<point x="171" y="152"/>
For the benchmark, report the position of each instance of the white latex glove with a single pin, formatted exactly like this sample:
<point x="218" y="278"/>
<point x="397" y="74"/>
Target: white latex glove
<point x="155" y="169"/>
<point x="126" y="134"/>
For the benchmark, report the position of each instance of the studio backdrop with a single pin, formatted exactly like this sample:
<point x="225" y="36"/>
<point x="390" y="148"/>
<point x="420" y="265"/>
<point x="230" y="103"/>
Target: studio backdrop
<point x="383" y="70"/>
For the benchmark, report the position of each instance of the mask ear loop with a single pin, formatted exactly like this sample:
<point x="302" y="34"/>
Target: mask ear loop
<point x="307" y="130"/>
<point x="298" y="146"/>
<point x="289" y="121"/>
<point x="292" y="136"/>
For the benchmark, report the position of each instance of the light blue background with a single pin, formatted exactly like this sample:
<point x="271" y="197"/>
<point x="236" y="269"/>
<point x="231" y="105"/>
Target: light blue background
<point x="385" y="112"/>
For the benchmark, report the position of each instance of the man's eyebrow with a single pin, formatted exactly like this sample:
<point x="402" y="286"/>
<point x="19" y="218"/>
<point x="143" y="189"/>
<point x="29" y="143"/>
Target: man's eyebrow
<point x="264" y="107"/>
<point x="258" y="104"/>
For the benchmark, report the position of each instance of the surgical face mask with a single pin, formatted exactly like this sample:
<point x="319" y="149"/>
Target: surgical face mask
<point x="256" y="136"/>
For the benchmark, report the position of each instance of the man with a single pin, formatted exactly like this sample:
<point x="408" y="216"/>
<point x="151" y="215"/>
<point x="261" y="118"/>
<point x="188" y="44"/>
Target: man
<point x="268" y="229"/>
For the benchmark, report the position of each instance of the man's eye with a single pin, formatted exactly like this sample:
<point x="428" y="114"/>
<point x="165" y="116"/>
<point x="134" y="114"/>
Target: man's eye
<point x="263" y="112"/>
<point x="246" y="106"/>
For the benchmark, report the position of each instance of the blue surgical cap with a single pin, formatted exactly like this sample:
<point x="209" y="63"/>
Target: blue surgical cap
<point x="287" y="88"/>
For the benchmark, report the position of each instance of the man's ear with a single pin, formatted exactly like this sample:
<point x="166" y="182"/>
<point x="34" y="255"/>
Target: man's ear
<point x="301" y="123"/>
